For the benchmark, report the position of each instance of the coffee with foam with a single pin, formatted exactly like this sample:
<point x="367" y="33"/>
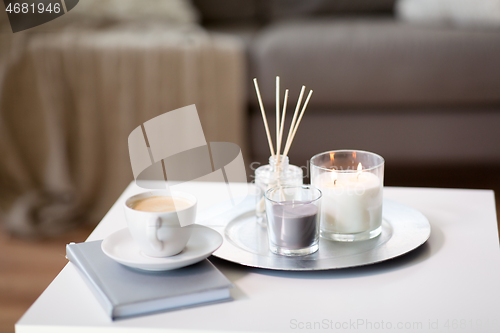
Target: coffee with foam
<point x="161" y="204"/>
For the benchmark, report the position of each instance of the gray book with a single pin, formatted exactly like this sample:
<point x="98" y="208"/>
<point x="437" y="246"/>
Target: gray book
<point x="124" y="291"/>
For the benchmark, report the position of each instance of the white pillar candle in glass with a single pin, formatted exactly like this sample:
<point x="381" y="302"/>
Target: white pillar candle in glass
<point x="352" y="185"/>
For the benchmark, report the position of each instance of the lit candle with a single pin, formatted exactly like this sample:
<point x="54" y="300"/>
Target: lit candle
<point x="352" y="201"/>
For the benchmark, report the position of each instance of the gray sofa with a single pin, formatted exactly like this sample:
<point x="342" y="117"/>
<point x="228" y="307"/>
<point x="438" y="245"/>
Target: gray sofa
<point x="417" y="95"/>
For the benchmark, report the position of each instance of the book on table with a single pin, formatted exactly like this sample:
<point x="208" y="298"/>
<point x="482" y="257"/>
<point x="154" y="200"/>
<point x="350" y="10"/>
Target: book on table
<point x="124" y="292"/>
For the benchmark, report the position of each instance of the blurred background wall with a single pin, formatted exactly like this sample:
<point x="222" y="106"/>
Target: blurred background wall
<point x="414" y="82"/>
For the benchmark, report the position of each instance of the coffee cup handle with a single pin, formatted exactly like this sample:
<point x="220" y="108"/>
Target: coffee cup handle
<point x="152" y="233"/>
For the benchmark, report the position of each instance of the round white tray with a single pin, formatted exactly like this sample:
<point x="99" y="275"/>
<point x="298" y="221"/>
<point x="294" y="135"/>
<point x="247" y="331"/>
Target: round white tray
<point x="245" y="242"/>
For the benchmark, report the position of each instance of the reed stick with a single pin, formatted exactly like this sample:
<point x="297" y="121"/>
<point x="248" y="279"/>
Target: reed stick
<point x="292" y="125"/>
<point x="277" y="113"/>
<point x="298" y="122"/>
<point x="264" y="118"/>
<point x="282" y="125"/>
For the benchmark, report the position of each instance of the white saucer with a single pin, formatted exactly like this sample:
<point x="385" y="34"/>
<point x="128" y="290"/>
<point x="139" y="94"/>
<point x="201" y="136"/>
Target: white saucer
<point x="120" y="247"/>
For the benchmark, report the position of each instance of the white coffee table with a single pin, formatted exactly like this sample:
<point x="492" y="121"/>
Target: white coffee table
<point x="449" y="284"/>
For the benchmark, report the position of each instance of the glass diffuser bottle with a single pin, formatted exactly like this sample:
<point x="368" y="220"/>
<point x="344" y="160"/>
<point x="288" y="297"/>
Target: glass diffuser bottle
<point x="276" y="173"/>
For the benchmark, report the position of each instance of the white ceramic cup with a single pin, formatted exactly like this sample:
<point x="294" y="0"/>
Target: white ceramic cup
<point x="159" y="234"/>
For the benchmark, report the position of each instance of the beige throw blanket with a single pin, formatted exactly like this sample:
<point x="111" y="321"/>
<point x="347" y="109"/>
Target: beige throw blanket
<point x="69" y="100"/>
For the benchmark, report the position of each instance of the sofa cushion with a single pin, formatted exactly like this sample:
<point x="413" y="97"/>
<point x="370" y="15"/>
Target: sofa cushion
<point x="477" y="13"/>
<point x="377" y="62"/>
<point x="413" y="136"/>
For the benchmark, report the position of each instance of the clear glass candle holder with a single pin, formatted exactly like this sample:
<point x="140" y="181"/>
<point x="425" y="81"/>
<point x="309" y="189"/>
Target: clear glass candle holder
<point x="352" y="185"/>
<point x="293" y="219"/>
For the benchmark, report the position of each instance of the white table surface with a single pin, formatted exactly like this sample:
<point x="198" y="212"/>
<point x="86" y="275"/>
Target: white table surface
<point x="451" y="283"/>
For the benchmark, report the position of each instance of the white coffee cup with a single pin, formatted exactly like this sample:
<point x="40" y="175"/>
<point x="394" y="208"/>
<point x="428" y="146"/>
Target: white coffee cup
<point x="159" y="233"/>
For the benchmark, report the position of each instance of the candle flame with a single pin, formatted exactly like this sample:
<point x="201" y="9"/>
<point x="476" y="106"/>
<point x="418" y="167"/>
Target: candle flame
<point x="332" y="156"/>
<point x="360" y="170"/>
<point x="334" y="176"/>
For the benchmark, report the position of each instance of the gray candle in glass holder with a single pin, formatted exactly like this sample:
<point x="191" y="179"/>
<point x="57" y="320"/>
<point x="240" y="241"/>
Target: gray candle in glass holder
<point x="293" y="219"/>
<point x="294" y="224"/>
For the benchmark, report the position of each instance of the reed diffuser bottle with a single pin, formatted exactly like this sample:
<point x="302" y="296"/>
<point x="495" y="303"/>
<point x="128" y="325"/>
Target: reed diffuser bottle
<point x="278" y="172"/>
